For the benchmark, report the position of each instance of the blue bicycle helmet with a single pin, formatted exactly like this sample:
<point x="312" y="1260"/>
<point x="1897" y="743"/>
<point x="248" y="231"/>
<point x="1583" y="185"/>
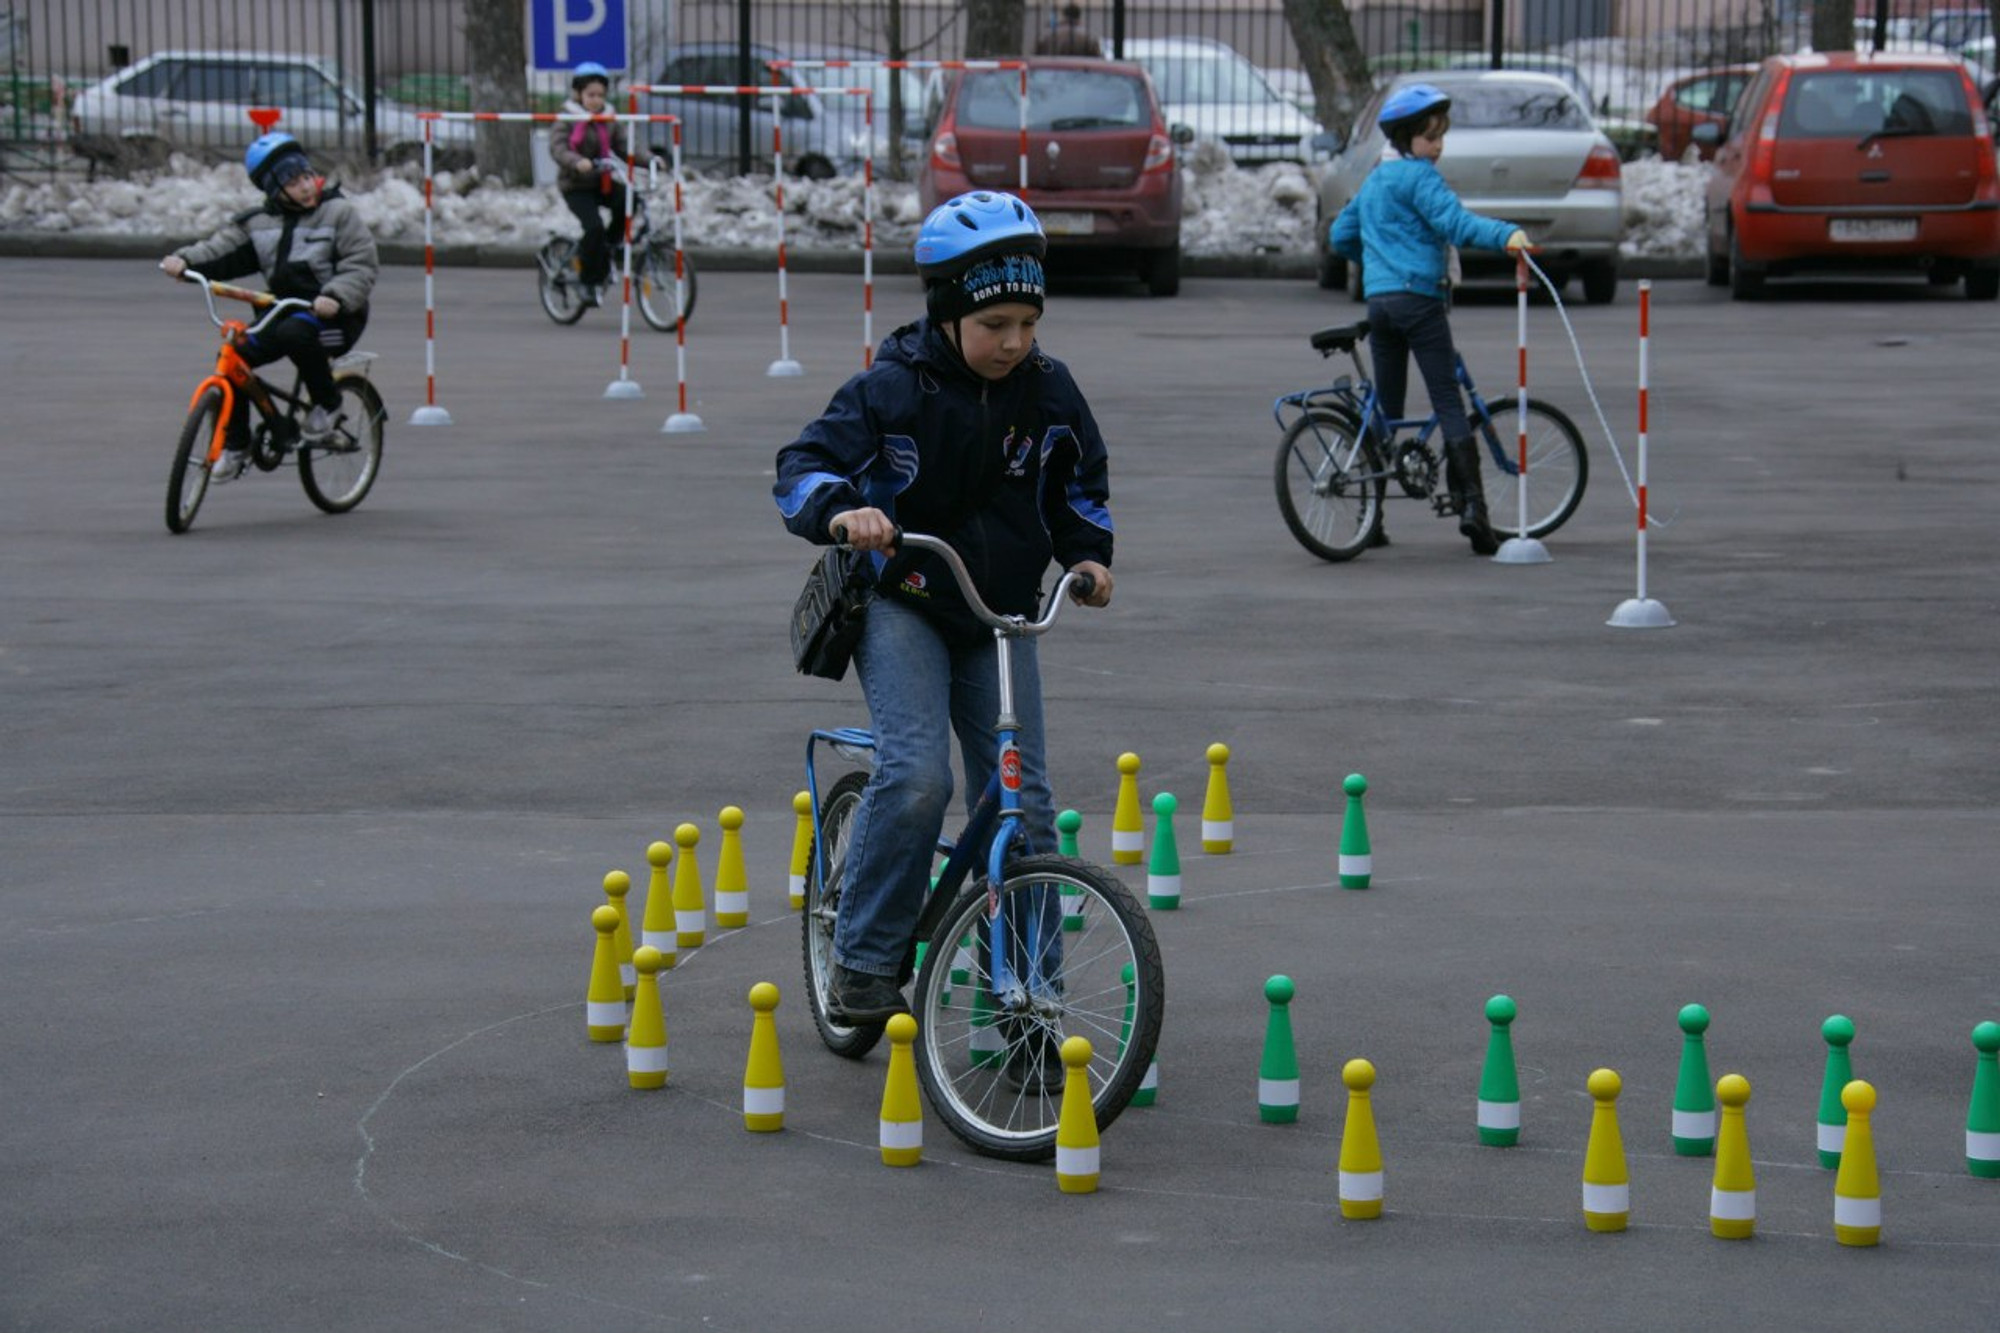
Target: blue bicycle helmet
<point x="962" y="231"/>
<point x="588" y="71"/>
<point x="267" y="159"/>
<point x="1417" y="99"/>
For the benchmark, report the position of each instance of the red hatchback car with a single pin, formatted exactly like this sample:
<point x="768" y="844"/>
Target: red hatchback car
<point x="1855" y="161"/>
<point x="1102" y="171"/>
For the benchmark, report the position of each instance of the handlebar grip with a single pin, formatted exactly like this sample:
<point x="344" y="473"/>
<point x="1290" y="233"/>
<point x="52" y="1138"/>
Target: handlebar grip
<point x="1086" y="584"/>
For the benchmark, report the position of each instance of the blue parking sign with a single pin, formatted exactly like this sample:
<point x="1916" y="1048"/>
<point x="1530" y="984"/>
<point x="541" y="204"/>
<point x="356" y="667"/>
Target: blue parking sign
<point x="569" y="32"/>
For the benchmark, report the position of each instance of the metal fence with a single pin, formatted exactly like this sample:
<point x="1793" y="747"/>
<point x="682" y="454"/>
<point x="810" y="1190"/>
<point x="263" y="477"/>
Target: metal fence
<point x="117" y="84"/>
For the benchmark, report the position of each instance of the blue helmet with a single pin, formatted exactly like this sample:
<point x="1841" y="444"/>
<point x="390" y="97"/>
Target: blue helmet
<point x="959" y="232"/>
<point x="265" y="156"/>
<point x="1416" y="99"/>
<point x="586" y="72"/>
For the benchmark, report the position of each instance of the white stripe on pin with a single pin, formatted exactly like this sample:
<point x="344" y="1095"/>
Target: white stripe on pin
<point x="1499" y="1115"/>
<point x="1361" y="1186"/>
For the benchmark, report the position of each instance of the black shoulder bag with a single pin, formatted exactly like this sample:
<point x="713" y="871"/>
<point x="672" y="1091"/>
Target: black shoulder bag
<point x="828" y="618"/>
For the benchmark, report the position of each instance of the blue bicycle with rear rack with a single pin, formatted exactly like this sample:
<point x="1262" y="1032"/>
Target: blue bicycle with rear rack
<point x="1035" y="949"/>
<point x="1340" y="451"/>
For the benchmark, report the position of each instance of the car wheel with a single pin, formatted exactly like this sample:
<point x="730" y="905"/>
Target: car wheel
<point x="1356" y="284"/>
<point x="1745" y="282"/>
<point x="1163" y="271"/>
<point x="1982" y="284"/>
<point x="1600" y="282"/>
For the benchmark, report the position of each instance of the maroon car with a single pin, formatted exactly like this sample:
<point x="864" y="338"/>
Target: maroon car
<point x="1102" y="173"/>
<point x="1696" y="99"/>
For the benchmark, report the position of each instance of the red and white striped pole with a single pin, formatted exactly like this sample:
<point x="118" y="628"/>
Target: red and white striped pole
<point x="1521" y="549"/>
<point x="868" y="236"/>
<point x="682" y="422"/>
<point x="430" y="414"/>
<point x="625" y="386"/>
<point x="784" y="366"/>
<point x="1641" y="611"/>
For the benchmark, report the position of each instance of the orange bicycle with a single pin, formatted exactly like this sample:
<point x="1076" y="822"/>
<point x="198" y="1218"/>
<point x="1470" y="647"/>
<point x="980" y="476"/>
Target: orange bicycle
<point x="336" y="472"/>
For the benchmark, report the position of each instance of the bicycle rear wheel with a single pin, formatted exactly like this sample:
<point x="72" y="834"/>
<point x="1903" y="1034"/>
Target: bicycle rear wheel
<point x="187" y="481"/>
<point x="1558" y="468"/>
<point x="1004" y="984"/>
<point x="337" y="475"/>
<point x="824" y="881"/>
<point x="560" y="284"/>
<point x="1330" y="483"/>
<point x="656" y="288"/>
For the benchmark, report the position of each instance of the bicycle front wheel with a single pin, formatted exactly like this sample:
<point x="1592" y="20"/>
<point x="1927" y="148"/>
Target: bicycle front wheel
<point x="1558" y="469"/>
<point x="1330" y="483"/>
<point x="337" y="475"/>
<point x="657" y="287"/>
<point x="825" y="880"/>
<point x="187" y="482"/>
<point x="560" y="284"/>
<point x="1064" y="950"/>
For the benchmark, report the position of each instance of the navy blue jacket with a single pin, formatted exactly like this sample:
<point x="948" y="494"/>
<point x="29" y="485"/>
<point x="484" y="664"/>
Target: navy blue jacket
<point x="1011" y="473"/>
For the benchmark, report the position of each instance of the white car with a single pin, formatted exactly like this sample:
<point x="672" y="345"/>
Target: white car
<point x="1215" y="92"/>
<point x="200" y="101"/>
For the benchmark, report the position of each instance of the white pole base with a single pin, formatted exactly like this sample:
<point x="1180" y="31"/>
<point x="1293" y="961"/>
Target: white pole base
<point x="430" y="416"/>
<point x="682" y="423"/>
<point x="1522" y="551"/>
<point x="784" y="369"/>
<point x="1641" y="613"/>
<point x="624" y="389"/>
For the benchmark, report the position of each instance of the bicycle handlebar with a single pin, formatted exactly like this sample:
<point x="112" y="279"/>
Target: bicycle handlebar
<point x="271" y="305"/>
<point x="1012" y="626"/>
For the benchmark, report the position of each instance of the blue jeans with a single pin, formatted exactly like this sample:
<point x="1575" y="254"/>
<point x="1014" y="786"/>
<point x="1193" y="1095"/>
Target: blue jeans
<point x="921" y="687"/>
<point x="1402" y="325"/>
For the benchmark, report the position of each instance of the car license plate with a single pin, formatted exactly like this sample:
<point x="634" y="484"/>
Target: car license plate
<point x="1069" y="224"/>
<point x="1873" y="229"/>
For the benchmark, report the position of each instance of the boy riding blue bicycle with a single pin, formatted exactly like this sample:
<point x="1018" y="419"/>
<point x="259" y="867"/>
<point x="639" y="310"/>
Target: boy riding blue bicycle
<point x="965" y="428"/>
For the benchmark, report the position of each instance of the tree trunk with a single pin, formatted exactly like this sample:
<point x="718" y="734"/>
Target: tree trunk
<point x="1333" y="59"/>
<point x="993" y="28"/>
<point x="497" y="50"/>
<point x="1833" y="25"/>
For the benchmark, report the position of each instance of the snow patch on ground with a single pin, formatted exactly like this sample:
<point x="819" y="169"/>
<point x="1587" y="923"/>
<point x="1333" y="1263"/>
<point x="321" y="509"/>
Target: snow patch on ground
<point x="1227" y="210"/>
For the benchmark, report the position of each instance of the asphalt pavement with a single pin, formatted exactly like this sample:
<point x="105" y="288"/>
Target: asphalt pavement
<point x="303" y="819"/>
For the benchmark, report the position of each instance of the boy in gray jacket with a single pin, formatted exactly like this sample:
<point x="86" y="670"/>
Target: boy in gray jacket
<point x="309" y="242"/>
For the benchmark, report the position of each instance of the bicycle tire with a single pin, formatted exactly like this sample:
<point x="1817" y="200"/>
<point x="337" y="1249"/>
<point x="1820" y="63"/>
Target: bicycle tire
<point x="1558" y="468"/>
<point x="981" y="1057"/>
<point x="1332" y="512"/>
<point x="338" y="475"/>
<point x="187" y="480"/>
<point x="555" y="278"/>
<point x="830" y="843"/>
<point x="656" y="282"/>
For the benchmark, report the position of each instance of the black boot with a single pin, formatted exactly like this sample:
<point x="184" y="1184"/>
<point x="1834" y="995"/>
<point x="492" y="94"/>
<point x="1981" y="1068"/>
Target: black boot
<point x="1461" y="471"/>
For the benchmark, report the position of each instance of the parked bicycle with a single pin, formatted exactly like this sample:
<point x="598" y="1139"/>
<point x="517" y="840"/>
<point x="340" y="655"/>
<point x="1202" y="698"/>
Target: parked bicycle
<point x="1036" y="949"/>
<point x="1340" y="451"/>
<point x="235" y="404"/>
<point x="654" y="272"/>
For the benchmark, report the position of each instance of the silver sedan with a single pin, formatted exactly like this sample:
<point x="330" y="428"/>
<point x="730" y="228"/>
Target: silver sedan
<point x="1523" y="148"/>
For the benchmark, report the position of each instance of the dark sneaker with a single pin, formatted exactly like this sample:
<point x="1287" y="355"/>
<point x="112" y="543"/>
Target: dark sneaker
<point x="862" y="998"/>
<point x="1034" y="1062"/>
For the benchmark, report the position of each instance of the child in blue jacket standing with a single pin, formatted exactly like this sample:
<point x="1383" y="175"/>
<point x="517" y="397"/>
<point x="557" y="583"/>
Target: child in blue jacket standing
<point x="1399" y="225"/>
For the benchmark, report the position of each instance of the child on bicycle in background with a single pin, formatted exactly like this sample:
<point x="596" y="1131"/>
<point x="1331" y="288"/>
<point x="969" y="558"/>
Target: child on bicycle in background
<point x="586" y="158"/>
<point x="310" y="243"/>
<point x="963" y="428"/>
<point x="1398" y="225"/>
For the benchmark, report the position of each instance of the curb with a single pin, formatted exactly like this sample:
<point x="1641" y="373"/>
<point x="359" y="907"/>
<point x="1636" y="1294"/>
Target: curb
<point x="718" y="259"/>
